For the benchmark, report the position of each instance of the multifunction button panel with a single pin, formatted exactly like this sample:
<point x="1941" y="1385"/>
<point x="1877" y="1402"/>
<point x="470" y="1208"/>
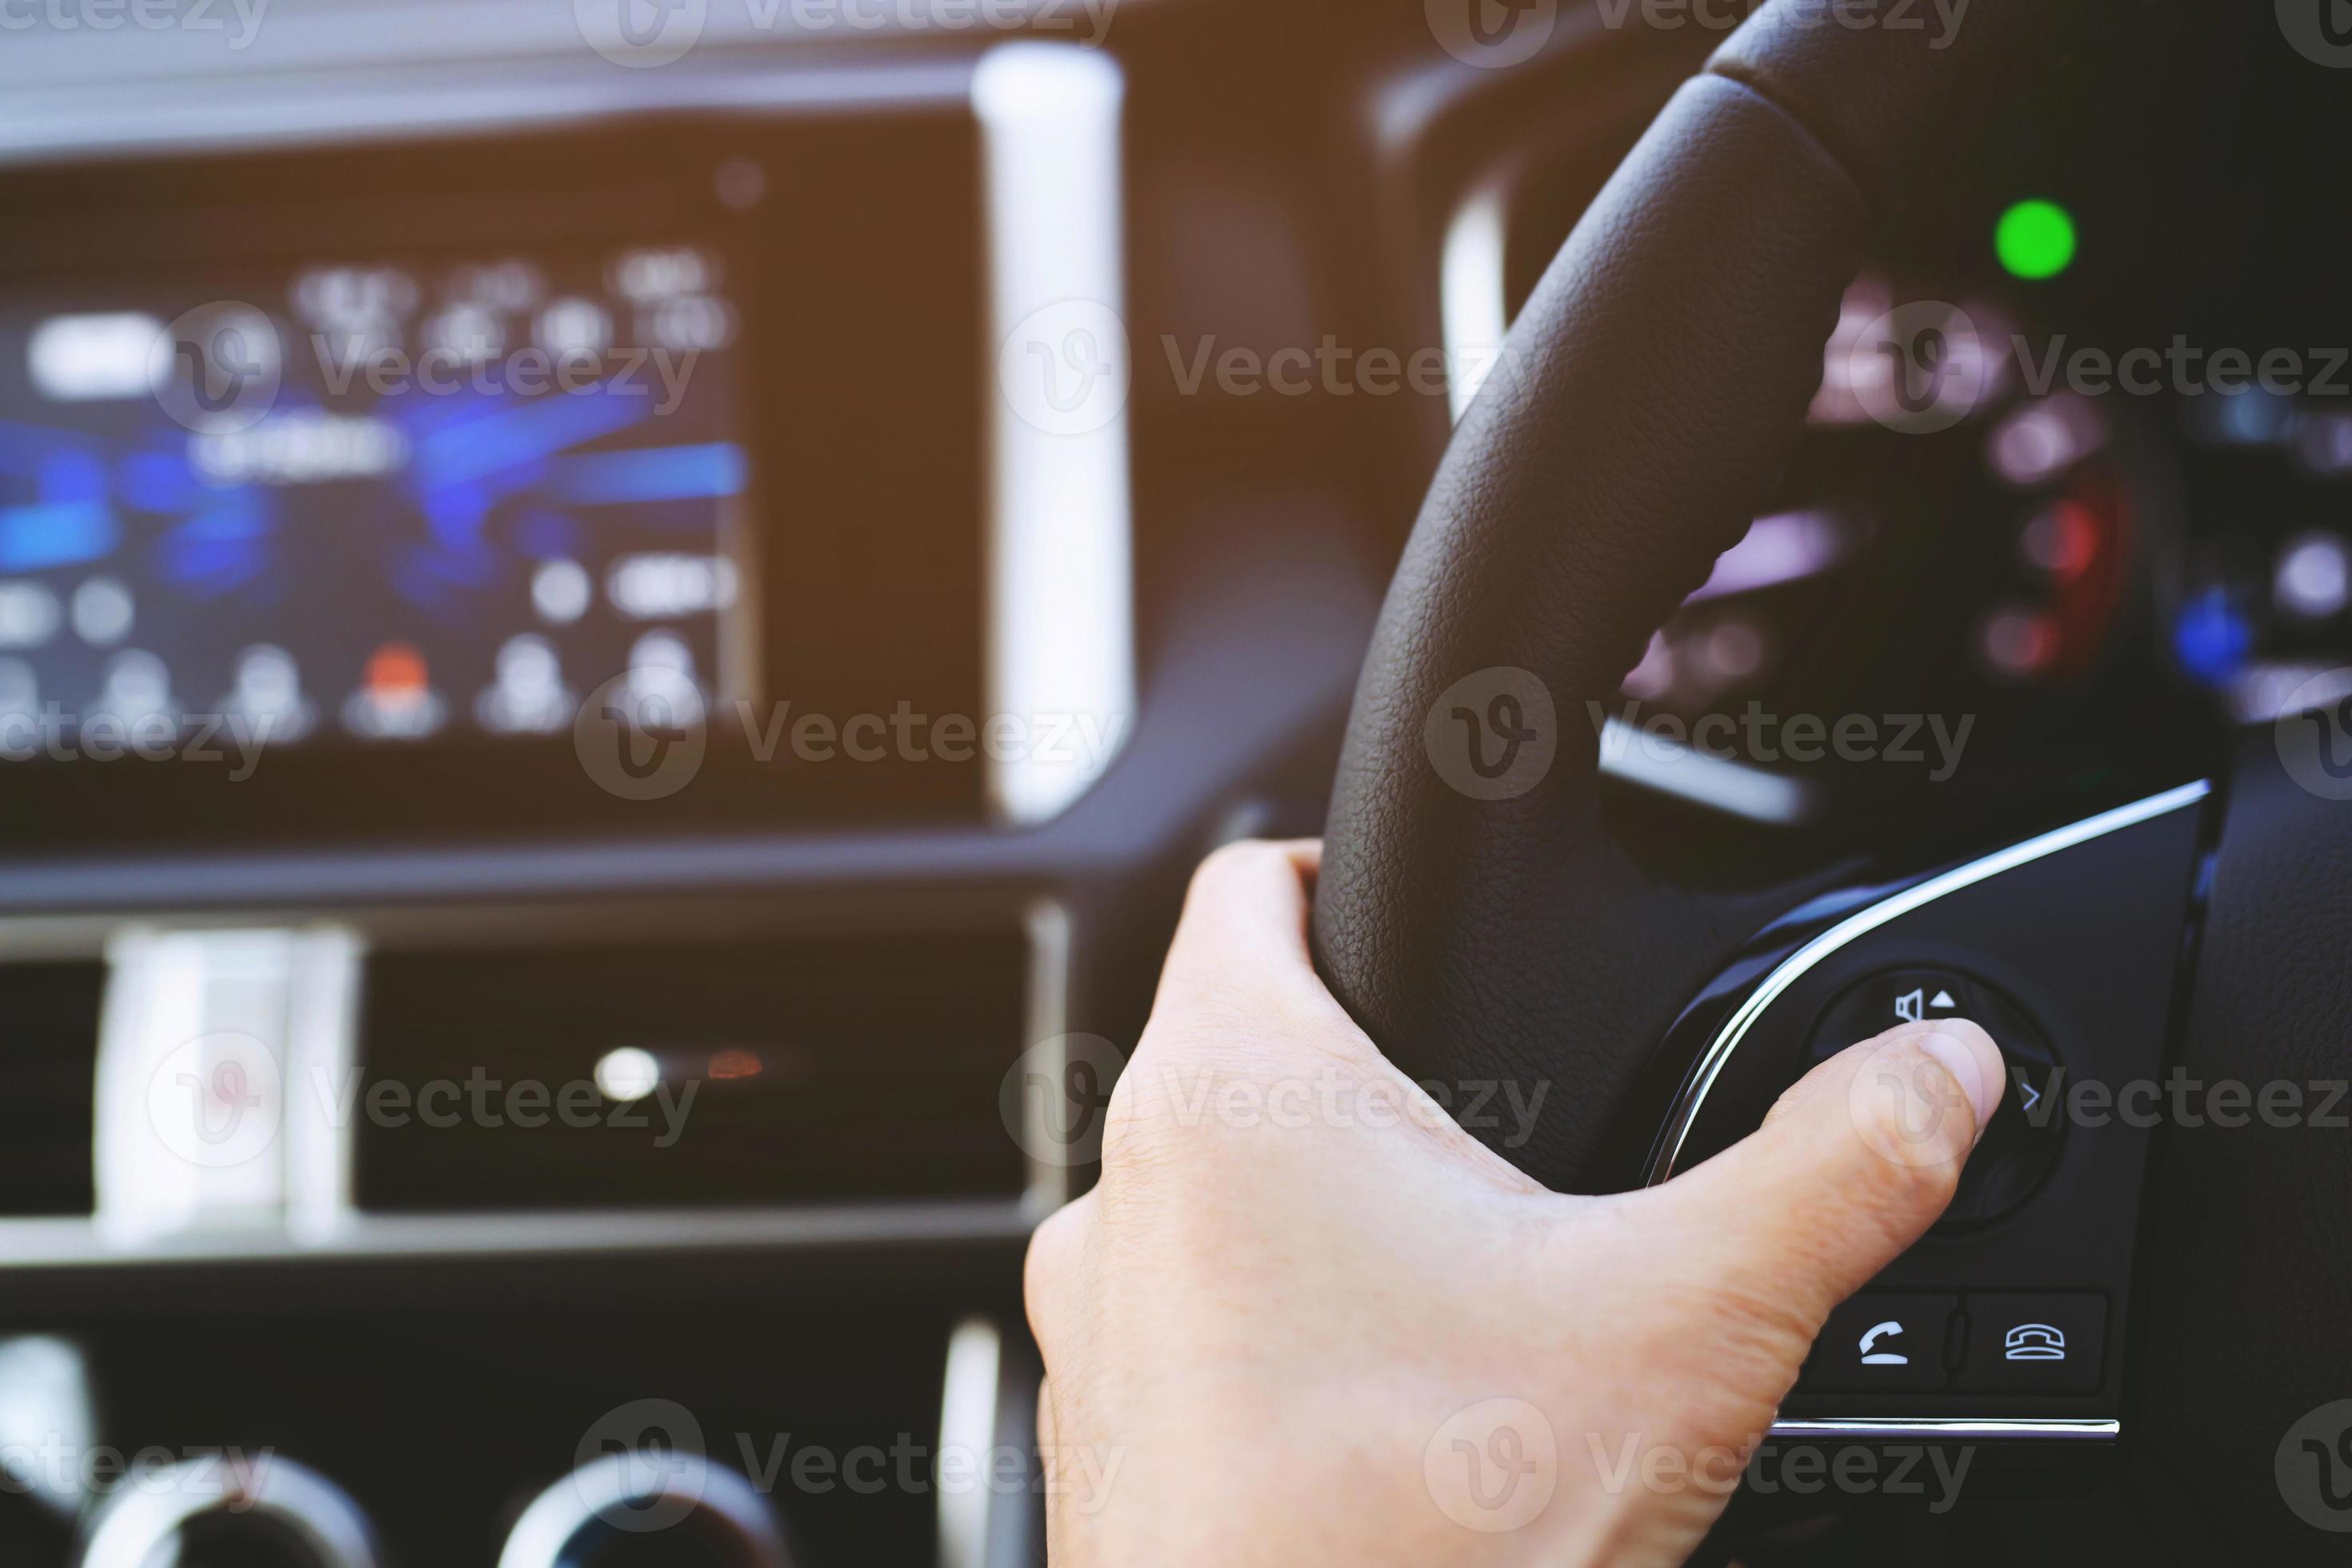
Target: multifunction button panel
<point x="2014" y="1312"/>
<point x="1883" y="1342"/>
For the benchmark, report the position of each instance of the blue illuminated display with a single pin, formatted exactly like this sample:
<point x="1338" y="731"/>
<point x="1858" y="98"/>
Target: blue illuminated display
<point x="382" y="501"/>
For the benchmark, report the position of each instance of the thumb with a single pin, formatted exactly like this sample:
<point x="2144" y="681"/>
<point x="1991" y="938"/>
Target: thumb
<point x="1849" y="1168"/>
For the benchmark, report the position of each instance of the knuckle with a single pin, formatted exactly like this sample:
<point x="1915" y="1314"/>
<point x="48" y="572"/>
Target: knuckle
<point x="1929" y="1184"/>
<point x="1055" y="1244"/>
<point x="1150" y="1134"/>
<point x="1239" y="856"/>
<point x="1050" y="1269"/>
<point x="1232" y="869"/>
<point x="1914" y="1115"/>
<point x="1140" y="1109"/>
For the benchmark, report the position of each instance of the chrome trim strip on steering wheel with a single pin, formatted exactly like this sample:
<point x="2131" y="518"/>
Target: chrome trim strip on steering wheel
<point x="1949" y="1427"/>
<point x="1694" y="1092"/>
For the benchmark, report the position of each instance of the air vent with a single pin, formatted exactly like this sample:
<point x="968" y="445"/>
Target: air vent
<point x="49" y="1049"/>
<point x="800" y="1068"/>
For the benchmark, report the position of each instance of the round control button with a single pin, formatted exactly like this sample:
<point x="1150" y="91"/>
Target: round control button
<point x="663" y="1509"/>
<point x="285" y="1516"/>
<point x="2022" y="1143"/>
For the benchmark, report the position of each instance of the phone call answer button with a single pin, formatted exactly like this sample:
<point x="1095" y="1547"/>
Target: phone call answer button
<point x="2029" y="1344"/>
<point x="1876" y="1342"/>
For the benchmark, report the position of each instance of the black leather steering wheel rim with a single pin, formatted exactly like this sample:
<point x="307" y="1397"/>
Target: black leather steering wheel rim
<point x="1651" y="392"/>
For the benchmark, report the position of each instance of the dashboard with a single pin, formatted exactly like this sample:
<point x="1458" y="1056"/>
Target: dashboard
<point x="690" y="613"/>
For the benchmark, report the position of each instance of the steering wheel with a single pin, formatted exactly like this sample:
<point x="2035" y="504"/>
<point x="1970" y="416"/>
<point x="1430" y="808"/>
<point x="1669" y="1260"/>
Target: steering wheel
<point x="2156" y="1292"/>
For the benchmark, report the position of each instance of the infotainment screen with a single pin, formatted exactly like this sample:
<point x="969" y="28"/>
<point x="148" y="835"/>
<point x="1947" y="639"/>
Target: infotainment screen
<point x="369" y="500"/>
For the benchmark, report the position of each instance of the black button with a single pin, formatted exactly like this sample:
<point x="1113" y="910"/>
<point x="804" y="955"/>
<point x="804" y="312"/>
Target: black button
<point x="1881" y="1342"/>
<point x="2021" y="1145"/>
<point x="1884" y="1000"/>
<point x="2034" y="1344"/>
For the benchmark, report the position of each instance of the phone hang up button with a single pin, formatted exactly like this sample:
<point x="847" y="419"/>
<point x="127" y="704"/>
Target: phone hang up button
<point x="2020" y="1345"/>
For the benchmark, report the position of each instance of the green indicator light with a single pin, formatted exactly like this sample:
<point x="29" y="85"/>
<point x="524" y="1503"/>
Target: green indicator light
<point x="2036" y="239"/>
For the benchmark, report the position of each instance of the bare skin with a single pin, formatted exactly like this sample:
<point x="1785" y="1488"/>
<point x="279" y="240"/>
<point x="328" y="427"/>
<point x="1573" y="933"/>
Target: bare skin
<point x="1342" y="1333"/>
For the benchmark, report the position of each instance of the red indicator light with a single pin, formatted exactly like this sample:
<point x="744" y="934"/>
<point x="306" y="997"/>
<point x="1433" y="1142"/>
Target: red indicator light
<point x="395" y="669"/>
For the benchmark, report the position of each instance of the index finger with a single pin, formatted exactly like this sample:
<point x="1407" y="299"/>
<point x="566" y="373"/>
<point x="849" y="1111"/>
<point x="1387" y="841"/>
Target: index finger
<point x="1240" y="952"/>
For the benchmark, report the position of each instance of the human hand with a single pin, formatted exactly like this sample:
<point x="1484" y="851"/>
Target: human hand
<point x="1299" y="1288"/>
